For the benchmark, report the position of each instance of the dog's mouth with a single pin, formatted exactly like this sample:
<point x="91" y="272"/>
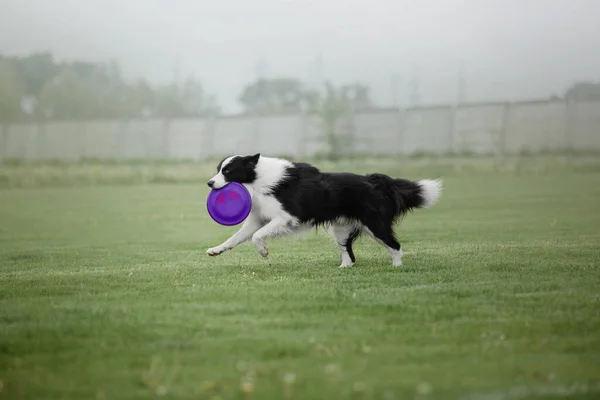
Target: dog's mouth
<point x="216" y="185"/>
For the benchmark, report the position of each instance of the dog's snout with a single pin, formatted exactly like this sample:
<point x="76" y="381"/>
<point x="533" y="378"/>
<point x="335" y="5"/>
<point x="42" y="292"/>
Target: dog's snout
<point x="211" y="183"/>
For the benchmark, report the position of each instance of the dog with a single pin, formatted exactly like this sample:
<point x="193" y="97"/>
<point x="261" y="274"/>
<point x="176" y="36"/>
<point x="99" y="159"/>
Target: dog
<point x="290" y="196"/>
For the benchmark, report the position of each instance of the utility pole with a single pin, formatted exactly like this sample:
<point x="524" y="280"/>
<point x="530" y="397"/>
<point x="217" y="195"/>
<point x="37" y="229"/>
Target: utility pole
<point x="395" y="90"/>
<point x="260" y="68"/>
<point x="414" y="88"/>
<point x="176" y="69"/>
<point x="319" y="71"/>
<point x="461" y="84"/>
<point x="260" y="71"/>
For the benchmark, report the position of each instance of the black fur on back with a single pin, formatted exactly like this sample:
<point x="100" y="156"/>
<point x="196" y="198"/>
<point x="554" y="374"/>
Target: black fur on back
<point x="317" y="198"/>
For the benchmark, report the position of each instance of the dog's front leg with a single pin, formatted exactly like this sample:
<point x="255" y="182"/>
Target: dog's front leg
<point x="250" y="226"/>
<point x="275" y="227"/>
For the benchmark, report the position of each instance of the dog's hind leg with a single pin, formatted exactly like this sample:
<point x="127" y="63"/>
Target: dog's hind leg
<point x="345" y="234"/>
<point x="385" y="236"/>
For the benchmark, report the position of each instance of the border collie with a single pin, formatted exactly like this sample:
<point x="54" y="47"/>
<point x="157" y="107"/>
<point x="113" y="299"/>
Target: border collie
<point x="289" y="196"/>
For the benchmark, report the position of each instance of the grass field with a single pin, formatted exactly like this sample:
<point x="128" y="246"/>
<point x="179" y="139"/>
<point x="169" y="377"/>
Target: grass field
<point x="106" y="293"/>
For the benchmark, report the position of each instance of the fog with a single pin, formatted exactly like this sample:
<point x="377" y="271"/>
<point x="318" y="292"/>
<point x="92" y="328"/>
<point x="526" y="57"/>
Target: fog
<point x="508" y="49"/>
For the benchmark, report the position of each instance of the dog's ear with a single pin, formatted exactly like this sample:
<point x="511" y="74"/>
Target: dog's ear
<point x="253" y="160"/>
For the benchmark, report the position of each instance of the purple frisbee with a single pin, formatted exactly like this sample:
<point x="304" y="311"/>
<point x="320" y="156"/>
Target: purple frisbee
<point x="230" y="204"/>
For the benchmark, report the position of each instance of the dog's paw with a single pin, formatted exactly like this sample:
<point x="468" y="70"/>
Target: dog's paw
<point x="261" y="248"/>
<point x="346" y="265"/>
<point x="263" y="251"/>
<point x="397" y="258"/>
<point x="215" y="251"/>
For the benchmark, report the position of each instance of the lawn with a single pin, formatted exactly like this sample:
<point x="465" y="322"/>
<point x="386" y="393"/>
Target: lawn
<point x="106" y="293"/>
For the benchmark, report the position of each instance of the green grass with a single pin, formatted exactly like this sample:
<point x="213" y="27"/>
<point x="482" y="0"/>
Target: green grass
<point x="106" y="293"/>
<point x="19" y="174"/>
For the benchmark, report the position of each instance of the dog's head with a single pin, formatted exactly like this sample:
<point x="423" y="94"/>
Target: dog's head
<point x="240" y="169"/>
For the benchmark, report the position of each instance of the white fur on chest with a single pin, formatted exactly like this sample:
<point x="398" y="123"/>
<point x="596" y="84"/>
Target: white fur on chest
<point x="268" y="208"/>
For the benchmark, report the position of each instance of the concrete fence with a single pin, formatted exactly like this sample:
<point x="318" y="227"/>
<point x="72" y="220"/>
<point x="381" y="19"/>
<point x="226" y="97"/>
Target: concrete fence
<point x="478" y="128"/>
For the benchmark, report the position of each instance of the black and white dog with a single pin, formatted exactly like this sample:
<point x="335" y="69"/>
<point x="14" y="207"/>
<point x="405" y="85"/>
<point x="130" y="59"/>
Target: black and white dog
<point x="289" y="196"/>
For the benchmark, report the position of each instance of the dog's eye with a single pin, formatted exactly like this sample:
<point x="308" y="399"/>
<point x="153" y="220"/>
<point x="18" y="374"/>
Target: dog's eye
<point x="225" y="171"/>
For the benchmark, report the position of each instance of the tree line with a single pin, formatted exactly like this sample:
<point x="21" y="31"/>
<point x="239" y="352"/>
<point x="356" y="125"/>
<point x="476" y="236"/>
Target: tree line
<point x="39" y="87"/>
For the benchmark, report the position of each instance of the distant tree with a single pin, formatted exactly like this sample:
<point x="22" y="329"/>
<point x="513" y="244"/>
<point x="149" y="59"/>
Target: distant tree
<point x="36" y="71"/>
<point x="268" y="96"/>
<point x="357" y="95"/>
<point x="186" y="100"/>
<point x="584" y="91"/>
<point x="67" y="96"/>
<point x="196" y="102"/>
<point x="166" y="102"/>
<point x="37" y="86"/>
<point x="136" y="99"/>
<point x="333" y="109"/>
<point x="333" y="106"/>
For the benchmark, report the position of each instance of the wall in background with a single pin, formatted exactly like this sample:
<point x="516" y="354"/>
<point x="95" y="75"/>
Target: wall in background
<point x="502" y="128"/>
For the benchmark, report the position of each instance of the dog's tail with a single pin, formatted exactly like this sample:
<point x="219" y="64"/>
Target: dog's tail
<point x="419" y="194"/>
<point x="407" y="194"/>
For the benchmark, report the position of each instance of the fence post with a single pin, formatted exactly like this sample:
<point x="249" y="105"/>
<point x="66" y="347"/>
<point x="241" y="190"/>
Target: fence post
<point x="570" y="123"/>
<point x="165" y="145"/>
<point x="256" y="133"/>
<point x="122" y="139"/>
<point x="351" y="134"/>
<point x="208" y="134"/>
<point x="83" y="141"/>
<point x="4" y="130"/>
<point x="401" y="134"/>
<point x="504" y="127"/>
<point x="39" y="142"/>
<point x="302" y="136"/>
<point x="452" y="127"/>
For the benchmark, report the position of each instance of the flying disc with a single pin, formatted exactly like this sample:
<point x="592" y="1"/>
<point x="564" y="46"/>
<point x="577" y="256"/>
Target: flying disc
<point x="230" y="204"/>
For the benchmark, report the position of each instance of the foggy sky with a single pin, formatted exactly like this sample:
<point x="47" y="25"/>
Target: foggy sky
<point x="511" y="49"/>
